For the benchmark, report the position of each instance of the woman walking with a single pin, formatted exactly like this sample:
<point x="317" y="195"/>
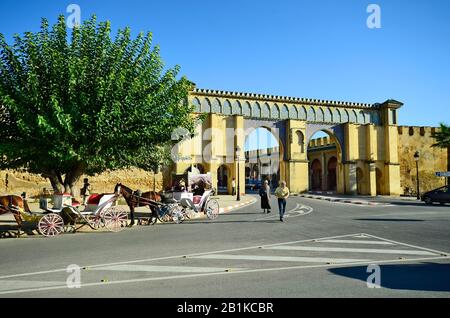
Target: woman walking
<point x="282" y="193"/>
<point x="264" y="193"/>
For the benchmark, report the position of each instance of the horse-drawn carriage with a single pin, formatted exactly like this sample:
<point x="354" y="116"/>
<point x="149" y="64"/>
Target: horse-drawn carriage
<point x="195" y="203"/>
<point x="170" y="206"/>
<point x="65" y="215"/>
<point x="100" y="212"/>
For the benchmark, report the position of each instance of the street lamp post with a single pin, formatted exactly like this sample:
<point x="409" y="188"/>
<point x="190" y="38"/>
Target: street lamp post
<point x="238" y="154"/>
<point x="416" y="158"/>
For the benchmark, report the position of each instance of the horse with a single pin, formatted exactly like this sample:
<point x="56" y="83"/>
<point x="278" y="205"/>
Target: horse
<point x="16" y="205"/>
<point x="136" y="199"/>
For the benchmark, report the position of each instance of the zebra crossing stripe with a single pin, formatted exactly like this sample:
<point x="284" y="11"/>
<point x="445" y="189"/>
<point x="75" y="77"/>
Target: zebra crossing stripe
<point x="352" y="250"/>
<point x="11" y="285"/>
<point x="163" y="268"/>
<point x="279" y="258"/>
<point x="356" y="242"/>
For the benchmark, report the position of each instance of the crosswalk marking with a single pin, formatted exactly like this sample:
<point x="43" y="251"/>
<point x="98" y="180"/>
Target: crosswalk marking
<point x="353" y="250"/>
<point x="355" y="242"/>
<point x="6" y="285"/>
<point x="331" y="252"/>
<point x="279" y="258"/>
<point x="164" y="268"/>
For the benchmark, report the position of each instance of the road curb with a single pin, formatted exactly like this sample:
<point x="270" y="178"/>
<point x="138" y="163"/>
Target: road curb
<point x="341" y="200"/>
<point x="236" y="206"/>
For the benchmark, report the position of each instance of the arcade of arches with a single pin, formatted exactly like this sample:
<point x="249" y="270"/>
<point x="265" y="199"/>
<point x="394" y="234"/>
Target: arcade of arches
<point x="360" y="154"/>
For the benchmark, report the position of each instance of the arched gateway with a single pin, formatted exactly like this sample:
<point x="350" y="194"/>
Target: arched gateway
<point x="365" y="134"/>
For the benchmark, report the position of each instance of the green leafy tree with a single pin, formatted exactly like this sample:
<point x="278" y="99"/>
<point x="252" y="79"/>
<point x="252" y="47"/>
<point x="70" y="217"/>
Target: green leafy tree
<point x="84" y="103"/>
<point x="155" y="158"/>
<point x="443" y="141"/>
<point x="442" y="137"/>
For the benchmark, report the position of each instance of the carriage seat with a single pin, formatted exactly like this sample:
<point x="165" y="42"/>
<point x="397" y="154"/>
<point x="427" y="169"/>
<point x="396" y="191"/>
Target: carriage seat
<point x="95" y="200"/>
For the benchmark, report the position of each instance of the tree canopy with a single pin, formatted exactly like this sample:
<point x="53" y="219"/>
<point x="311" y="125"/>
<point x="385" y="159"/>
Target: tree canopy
<point x="442" y="137"/>
<point x="83" y="103"/>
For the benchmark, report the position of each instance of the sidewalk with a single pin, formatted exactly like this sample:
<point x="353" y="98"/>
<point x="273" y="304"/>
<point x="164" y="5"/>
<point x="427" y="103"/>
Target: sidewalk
<point x="362" y="199"/>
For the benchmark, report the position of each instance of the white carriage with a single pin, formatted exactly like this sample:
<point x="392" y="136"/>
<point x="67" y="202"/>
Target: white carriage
<point x="65" y="214"/>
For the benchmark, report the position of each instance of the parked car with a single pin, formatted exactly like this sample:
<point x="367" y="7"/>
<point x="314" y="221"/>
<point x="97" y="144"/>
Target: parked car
<point x="440" y="195"/>
<point x="253" y="184"/>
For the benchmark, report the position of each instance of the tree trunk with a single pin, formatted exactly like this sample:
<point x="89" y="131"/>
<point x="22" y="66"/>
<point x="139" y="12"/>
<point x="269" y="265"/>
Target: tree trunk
<point x="54" y="180"/>
<point x="71" y="178"/>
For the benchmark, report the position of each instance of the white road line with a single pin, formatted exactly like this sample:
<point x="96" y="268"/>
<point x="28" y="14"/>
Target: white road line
<point x="212" y="252"/>
<point x="260" y="270"/>
<point x="10" y="285"/>
<point x="351" y="250"/>
<point x="157" y="268"/>
<point x="274" y="216"/>
<point x="409" y="245"/>
<point x="355" y="242"/>
<point x="280" y="258"/>
<point x="295" y="212"/>
<point x="171" y="257"/>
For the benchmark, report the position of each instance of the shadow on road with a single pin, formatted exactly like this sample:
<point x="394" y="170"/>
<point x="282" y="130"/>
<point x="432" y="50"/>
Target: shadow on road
<point x="390" y="220"/>
<point x="422" y="276"/>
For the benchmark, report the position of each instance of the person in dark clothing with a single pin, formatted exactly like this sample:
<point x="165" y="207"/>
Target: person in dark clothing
<point x="264" y="193"/>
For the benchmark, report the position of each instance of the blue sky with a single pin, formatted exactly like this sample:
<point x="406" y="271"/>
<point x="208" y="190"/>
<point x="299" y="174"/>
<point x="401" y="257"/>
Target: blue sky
<point x="314" y="49"/>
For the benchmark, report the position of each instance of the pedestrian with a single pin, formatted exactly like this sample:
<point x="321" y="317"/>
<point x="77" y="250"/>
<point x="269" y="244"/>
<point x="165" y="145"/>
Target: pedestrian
<point x="85" y="190"/>
<point x="233" y="187"/>
<point x="282" y="193"/>
<point x="264" y="193"/>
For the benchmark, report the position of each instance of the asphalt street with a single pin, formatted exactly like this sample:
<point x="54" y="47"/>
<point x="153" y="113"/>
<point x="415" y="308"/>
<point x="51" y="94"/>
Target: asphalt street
<point x="323" y="249"/>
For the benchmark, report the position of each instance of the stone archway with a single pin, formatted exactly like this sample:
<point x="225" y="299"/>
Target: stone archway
<point x="325" y="143"/>
<point x="263" y="162"/>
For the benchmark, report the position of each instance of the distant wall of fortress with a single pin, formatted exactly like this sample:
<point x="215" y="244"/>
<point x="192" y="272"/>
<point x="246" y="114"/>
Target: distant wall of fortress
<point x="410" y="140"/>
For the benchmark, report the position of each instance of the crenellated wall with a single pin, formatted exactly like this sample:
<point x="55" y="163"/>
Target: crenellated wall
<point x="33" y="184"/>
<point x="432" y="159"/>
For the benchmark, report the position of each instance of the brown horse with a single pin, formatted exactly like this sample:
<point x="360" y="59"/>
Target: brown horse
<point x="16" y="205"/>
<point x="136" y="199"/>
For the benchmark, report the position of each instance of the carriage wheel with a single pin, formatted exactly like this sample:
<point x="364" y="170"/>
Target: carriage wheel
<point x="165" y="218"/>
<point x="152" y="220"/>
<point x="115" y="219"/>
<point x="96" y="222"/>
<point x="177" y="216"/>
<point x="212" y="209"/>
<point x="190" y="213"/>
<point x="51" y="225"/>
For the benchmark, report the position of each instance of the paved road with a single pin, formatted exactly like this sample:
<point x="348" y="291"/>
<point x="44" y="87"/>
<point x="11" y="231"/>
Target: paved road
<point x="322" y="250"/>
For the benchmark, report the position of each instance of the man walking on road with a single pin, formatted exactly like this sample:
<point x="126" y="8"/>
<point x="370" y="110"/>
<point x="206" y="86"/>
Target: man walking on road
<point x="282" y="193"/>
